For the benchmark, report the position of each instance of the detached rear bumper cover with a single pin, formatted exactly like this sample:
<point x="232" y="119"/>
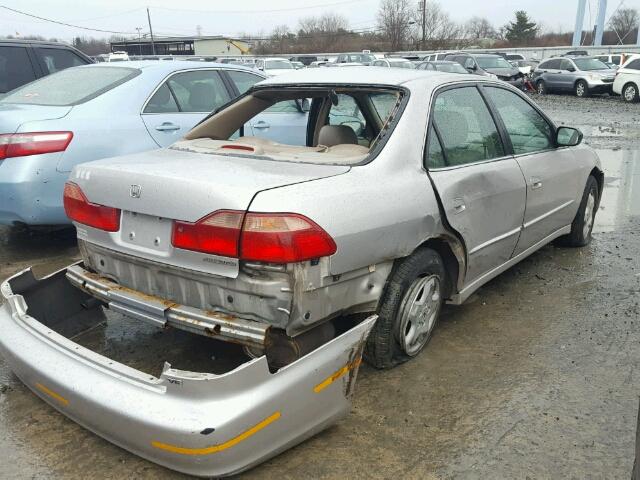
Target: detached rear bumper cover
<point x="198" y="423"/>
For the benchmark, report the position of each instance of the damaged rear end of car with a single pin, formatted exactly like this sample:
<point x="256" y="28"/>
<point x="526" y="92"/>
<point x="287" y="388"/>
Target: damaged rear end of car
<point x="198" y="422"/>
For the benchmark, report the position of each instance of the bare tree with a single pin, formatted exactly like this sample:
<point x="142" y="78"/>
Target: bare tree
<point x="394" y="21"/>
<point x="478" y="28"/>
<point x="440" y="32"/>
<point x="623" y="22"/>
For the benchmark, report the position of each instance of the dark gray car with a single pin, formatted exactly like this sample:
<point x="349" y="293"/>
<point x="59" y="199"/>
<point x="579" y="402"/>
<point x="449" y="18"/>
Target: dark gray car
<point x="580" y="75"/>
<point x="489" y="65"/>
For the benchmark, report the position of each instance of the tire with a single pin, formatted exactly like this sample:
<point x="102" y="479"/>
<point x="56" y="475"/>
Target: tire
<point x="581" y="89"/>
<point x="418" y="281"/>
<point x="541" y="87"/>
<point x="582" y="224"/>
<point x="630" y="93"/>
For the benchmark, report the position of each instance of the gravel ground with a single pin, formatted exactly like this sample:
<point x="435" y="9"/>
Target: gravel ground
<point x="536" y="376"/>
<point x="606" y="121"/>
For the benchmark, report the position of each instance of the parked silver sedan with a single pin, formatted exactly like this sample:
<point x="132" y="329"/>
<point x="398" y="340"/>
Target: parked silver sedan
<point x="444" y="182"/>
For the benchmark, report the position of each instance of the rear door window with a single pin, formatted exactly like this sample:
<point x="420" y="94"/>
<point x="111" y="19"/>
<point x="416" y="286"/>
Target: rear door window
<point x="162" y="101"/>
<point x="243" y="80"/>
<point x="466" y="128"/>
<point x="15" y="68"/>
<point x="53" y="60"/>
<point x="634" y="64"/>
<point x="551" y="64"/>
<point x="347" y="112"/>
<point x="199" y="91"/>
<point x="566" y="65"/>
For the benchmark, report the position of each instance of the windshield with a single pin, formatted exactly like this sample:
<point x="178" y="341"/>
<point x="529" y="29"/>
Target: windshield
<point x="71" y="86"/>
<point x="277" y="65"/>
<point x="589" y="64"/>
<point x="402" y="64"/>
<point x="450" y="68"/>
<point x="362" y="58"/>
<point x="493" y="62"/>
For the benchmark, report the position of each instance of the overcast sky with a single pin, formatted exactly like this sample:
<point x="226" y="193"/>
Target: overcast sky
<point x="170" y="17"/>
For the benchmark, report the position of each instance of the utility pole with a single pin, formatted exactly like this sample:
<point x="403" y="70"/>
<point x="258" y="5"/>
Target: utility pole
<point x="424" y="26"/>
<point x="153" y="46"/>
<point x="139" y="29"/>
<point x="577" y="31"/>
<point x="602" y="10"/>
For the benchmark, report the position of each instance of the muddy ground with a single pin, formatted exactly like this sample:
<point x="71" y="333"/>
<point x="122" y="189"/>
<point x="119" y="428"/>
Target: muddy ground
<point x="536" y="376"/>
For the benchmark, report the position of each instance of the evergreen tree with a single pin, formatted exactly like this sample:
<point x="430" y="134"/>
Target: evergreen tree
<point x="522" y="31"/>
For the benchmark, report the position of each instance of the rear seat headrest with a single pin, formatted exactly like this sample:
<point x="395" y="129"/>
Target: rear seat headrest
<point x="331" y="135"/>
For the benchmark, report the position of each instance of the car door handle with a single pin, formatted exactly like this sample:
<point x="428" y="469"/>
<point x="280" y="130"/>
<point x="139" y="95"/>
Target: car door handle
<point x="261" y="124"/>
<point x="167" y="127"/>
<point x="458" y="205"/>
<point x="535" y="183"/>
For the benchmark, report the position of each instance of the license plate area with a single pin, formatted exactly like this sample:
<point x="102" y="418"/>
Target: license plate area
<point x="146" y="232"/>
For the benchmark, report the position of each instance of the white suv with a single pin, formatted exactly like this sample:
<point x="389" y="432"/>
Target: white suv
<point x="627" y="81"/>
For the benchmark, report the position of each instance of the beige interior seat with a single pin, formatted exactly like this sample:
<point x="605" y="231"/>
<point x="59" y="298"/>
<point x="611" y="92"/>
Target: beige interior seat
<point x="331" y="135"/>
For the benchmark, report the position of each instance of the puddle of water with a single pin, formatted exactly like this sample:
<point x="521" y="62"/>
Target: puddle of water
<point x="621" y="197"/>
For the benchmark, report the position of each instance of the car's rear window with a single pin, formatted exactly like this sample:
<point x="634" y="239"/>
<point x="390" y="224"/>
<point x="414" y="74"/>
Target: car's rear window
<point x="71" y="86"/>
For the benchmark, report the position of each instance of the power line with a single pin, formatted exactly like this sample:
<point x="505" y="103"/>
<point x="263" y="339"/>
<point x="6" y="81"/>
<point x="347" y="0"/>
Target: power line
<point x="272" y="10"/>
<point x="64" y="23"/>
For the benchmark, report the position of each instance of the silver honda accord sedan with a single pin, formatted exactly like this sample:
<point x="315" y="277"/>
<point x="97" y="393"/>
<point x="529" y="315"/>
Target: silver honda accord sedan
<point x="433" y="185"/>
<point x="410" y="189"/>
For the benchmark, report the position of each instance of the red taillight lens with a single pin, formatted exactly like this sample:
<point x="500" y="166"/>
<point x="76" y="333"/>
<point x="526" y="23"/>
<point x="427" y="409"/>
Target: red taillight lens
<point x="283" y="238"/>
<point x="217" y="233"/>
<point x="80" y="210"/>
<point x="36" y="143"/>
<point x="263" y="237"/>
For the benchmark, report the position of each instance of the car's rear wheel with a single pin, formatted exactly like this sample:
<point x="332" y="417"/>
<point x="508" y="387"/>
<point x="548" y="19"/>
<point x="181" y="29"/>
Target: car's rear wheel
<point x="581" y="89"/>
<point x="582" y="224"/>
<point x="541" y="87"/>
<point x="630" y="93"/>
<point x="409" y="310"/>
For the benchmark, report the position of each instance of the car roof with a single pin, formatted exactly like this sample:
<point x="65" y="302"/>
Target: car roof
<point x="357" y="75"/>
<point x="21" y="41"/>
<point x="169" y="66"/>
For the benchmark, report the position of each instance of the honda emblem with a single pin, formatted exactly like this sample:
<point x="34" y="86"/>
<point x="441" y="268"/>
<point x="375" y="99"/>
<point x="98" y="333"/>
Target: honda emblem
<point x="136" y="191"/>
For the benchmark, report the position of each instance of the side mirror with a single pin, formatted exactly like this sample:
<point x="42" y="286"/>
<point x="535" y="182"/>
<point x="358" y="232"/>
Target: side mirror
<point x="571" y="69"/>
<point x="568" y="137"/>
<point x="472" y="68"/>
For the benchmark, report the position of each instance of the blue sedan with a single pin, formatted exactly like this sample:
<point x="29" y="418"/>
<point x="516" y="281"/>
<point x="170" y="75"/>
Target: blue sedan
<point x="104" y="110"/>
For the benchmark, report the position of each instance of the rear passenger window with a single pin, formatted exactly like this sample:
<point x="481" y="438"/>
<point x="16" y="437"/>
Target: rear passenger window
<point x="243" y="80"/>
<point x="199" y="91"/>
<point x="528" y="130"/>
<point x="347" y="112"/>
<point x="55" y="59"/>
<point x="634" y="65"/>
<point x="15" y="68"/>
<point x="435" y="157"/>
<point x="162" y="102"/>
<point x="466" y="128"/>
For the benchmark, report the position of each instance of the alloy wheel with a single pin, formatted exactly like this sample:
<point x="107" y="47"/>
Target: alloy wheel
<point x="418" y="313"/>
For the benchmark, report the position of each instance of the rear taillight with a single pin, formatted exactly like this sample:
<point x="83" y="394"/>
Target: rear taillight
<point x="81" y="210"/>
<point x="283" y="238"/>
<point x="217" y="233"/>
<point x="35" y="143"/>
<point x="263" y="237"/>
